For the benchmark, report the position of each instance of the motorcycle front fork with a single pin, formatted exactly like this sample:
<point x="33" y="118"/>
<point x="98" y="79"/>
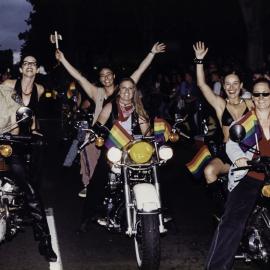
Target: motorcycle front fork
<point x="131" y="221"/>
<point x="162" y="229"/>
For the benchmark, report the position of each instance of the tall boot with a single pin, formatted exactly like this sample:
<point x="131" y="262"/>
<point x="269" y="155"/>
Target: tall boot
<point x="218" y="198"/>
<point x="34" y="207"/>
<point x="40" y="225"/>
<point x="46" y="250"/>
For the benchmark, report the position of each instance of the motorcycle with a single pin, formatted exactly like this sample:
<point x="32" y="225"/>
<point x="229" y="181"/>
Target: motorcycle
<point x="255" y="244"/>
<point x="13" y="216"/>
<point x="133" y="202"/>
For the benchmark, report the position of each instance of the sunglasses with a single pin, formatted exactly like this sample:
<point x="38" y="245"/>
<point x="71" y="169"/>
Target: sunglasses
<point x="261" y="94"/>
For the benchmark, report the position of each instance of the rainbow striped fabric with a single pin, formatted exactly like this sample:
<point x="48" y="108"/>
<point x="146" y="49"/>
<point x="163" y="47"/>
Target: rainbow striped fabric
<point x="118" y="137"/>
<point x="162" y="130"/>
<point x="199" y="161"/>
<point x="251" y="124"/>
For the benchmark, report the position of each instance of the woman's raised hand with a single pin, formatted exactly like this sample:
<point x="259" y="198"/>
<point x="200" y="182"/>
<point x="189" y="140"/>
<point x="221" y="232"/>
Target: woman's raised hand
<point x="158" y="48"/>
<point x="59" y="55"/>
<point x="200" y="50"/>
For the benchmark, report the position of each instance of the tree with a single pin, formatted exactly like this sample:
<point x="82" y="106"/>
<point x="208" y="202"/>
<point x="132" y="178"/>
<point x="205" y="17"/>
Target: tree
<point x="252" y="14"/>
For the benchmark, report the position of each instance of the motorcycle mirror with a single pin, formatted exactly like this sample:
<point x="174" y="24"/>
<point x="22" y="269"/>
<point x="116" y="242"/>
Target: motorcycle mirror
<point x="24" y="114"/>
<point x="237" y="133"/>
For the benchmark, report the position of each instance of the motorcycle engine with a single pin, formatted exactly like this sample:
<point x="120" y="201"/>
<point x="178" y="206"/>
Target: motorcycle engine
<point x="256" y="246"/>
<point x="7" y="188"/>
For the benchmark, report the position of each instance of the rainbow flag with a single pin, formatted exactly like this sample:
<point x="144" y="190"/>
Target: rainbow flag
<point x="198" y="163"/>
<point x="118" y="137"/>
<point x="162" y="130"/>
<point x="251" y="124"/>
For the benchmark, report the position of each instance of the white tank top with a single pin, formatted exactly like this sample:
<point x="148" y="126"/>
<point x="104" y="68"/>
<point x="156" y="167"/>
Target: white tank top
<point x="127" y="125"/>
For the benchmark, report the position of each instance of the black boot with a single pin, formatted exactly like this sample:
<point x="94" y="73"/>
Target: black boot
<point x="45" y="249"/>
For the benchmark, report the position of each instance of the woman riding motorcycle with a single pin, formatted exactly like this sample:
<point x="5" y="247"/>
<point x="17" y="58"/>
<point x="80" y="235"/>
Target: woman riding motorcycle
<point x="128" y="110"/>
<point x="9" y="103"/>
<point x="244" y="187"/>
<point x="227" y="110"/>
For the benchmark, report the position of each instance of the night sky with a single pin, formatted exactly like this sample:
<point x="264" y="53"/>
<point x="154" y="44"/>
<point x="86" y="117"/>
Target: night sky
<point x="178" y="23"/>
<point x="12" y="22"/>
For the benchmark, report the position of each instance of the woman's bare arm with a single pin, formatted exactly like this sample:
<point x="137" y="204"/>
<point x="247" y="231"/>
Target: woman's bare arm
<point x="105" y="114"/>
<point x="214" y="100"/>
<point x="145" y="126"/>
<point x="90" y="89"/>
<point x="157" y="48"/>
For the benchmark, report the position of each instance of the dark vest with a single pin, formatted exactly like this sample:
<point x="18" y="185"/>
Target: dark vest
<point x="33" y="103"/>
<point x="135" y="126"/>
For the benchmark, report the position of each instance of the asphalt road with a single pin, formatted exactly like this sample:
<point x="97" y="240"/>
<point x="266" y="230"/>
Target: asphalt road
<point x="184" y="247"/>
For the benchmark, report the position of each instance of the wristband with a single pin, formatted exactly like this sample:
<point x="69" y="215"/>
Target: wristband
<point x="152" y="53"/>
<point x="198" y="61"/>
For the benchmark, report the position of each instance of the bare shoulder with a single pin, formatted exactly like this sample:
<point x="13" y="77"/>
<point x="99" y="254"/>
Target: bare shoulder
<point x="40" y="89"/>
<point x="220" y="104"/>
<point x="249" y="104"/>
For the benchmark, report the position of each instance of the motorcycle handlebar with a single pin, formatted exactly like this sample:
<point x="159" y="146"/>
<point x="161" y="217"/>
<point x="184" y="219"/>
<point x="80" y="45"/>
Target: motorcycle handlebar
<point x="92" y="136"/>
<point x="241" y="168"/>
<point x="21" y="139"/>
<point x="178" y="122"/>
<point x="260" y="163"/>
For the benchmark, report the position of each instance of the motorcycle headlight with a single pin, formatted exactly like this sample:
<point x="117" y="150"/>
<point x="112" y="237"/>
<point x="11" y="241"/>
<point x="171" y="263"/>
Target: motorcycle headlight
<point x="141" y="152"/>
<point x="266" y="191"/>
<point x="114" y="154"/>
<point x="5" y="150"/>
<point x="165" y="152"/>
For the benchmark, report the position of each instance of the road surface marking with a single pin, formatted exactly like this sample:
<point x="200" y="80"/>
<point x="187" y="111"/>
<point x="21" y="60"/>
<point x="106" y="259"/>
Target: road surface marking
<point x="51" y="223"/>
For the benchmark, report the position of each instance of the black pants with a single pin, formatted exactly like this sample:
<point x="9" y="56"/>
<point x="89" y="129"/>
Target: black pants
<point x="229" y="232"/>
<point x="33" y="200"/>
<point x="96" y="189"/>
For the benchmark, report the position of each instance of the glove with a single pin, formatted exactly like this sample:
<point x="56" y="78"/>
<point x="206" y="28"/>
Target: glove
<point x="100" y="130"/>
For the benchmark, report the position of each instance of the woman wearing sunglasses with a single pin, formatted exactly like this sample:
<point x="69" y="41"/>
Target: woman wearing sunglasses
<point x="244" y="186"/>
<point x="227" y="110"/>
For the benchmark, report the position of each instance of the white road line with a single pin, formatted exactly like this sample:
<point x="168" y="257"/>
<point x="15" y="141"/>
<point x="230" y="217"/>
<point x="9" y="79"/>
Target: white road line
<point x="51" y="223"/>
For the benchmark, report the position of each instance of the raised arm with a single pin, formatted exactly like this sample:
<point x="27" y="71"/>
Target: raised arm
<point x="89" y="88"/>
<point x="213" y="99"/>
<point x="157" y="48"/>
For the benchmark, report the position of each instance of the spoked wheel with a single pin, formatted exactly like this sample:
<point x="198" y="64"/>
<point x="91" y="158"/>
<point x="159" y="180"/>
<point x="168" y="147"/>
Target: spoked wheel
<point x="147" y="242"/>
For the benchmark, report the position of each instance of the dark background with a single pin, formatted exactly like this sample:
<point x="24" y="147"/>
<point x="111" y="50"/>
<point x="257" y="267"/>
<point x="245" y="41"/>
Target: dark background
<point x="121" y="32"/>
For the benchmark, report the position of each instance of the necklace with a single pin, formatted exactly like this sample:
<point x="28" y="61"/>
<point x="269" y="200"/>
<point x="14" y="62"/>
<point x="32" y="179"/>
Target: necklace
<point x="27" y="94"/>
<point x="239" y="102"/>
<point x="26" y="88"/>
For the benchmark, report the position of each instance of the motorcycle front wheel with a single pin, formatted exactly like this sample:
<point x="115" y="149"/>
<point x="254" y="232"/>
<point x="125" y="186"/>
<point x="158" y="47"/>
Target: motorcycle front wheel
<point x="147" y="242"/>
